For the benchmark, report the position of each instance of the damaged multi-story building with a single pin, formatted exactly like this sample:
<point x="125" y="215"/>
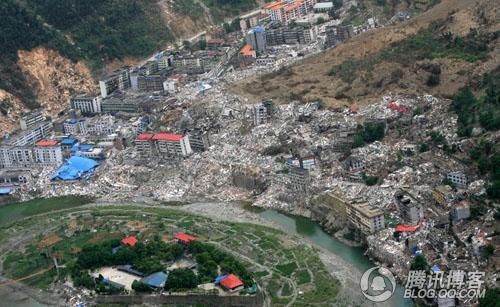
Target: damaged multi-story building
<point x="365" y="217"/>
<point x="263" y="113"/>
<point x="119" y="80"/>
<point x="163" y="145"/>
<point x="410" y="210"/>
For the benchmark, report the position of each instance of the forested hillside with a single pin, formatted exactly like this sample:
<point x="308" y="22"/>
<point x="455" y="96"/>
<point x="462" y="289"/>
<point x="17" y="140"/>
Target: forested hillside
<point x="92" y="30"/>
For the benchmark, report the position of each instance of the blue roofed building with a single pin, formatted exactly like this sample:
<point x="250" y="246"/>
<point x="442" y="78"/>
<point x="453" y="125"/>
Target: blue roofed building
<point x="218" y="279"/>
<point x="75" y="168"/>
<point x="155" y="280"/>
<point x="6" y="191"/>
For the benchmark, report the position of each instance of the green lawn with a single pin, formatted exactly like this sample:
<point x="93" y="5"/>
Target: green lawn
<point x="13" y="212"/>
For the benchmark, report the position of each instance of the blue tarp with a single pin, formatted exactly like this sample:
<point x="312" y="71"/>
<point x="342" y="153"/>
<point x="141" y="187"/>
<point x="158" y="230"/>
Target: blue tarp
<point x="435" y="268"/>
<point x="74" y="168"/>
<point x="156" y="280"/>
<point x="68" y="141"/>
<point x="6" y="191"/>
<point x="218" y="279"/>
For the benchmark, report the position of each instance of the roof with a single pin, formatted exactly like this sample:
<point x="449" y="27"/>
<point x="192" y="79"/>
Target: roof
<point x="69" y="141"/>
<point x="84" y="147"/>
<point x="406" y="228"/>
<point x="323" y="5"/>
<point x="144" y="136"/>
<point x="274" y="5"/>
<point x="247" y="50"/>
<point x="74" y="168"/>
<point x="156" y="280"/>
<point x="184" y="237"/>
<point x="46" y="143"/>
<point x="293" y="6"/>
<point x="215" y="41"/>
<point x="168" y="137"/>
<point x="218" y="279"/>
<point x="231" y="281"/>
<point x="6" y="191"/>
<point x="130" y="241"/>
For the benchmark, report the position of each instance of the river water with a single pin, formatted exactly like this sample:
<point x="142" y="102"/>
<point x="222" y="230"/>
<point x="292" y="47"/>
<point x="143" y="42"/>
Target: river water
<point x="310" y="230"/>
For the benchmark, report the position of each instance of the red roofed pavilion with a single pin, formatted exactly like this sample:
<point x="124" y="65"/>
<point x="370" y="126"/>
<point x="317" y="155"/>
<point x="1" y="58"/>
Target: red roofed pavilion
<point x="231" y="282"/>
<point x="184" y="238"/>
<point x="130" y="241"/>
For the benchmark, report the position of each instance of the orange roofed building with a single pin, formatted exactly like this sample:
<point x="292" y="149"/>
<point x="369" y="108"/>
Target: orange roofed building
<point x="184" y="238"/>
<point x="231" y="283"/>
<point x="247" y="51"/>
<point x="130" y="241"/>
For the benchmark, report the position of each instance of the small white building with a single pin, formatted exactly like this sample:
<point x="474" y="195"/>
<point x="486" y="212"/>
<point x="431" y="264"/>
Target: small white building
<point x="458" y="178"/>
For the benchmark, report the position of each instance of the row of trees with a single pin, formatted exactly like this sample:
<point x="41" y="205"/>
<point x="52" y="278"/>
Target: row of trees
<point x="146" y="257"/>
<point x="210" y="259"/>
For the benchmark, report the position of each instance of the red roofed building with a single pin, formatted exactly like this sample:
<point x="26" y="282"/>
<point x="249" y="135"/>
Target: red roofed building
<point x="48" y="153"/>
<point x="130" y="241"/>
<point x="232" y="283"/>
<point x="165" y="144"/>
<point x="184" y="238"/>
<point x="172" y="144"/>
<point x="144" y="143"/>
<point x="47" y="143"/>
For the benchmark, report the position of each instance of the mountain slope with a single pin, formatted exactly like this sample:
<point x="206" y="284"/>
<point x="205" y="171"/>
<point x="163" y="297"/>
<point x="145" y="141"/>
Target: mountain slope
<point x="396" y="59"/>
<point x="51" y="48"/>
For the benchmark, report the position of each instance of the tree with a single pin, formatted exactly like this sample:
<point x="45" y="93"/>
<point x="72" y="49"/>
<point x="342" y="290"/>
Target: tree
<point x="139" y="286"/>
<point x="186" y="44"/>
<point x="181" y="279"/>
<point x="491" y="298"/>
<point x="320" y="20"/>
<point x="420" y="263"/>
<point x="202" y="44"/>
<point x="488" y="251"/>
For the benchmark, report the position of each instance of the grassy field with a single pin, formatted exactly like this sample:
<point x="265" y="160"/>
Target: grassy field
<point x="281" y="265"/>
<point x="13" y="212"/>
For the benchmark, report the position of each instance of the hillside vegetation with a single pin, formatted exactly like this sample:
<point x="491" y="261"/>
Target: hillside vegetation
<point x="452" y="44"/>
<point x="95" y="31"/>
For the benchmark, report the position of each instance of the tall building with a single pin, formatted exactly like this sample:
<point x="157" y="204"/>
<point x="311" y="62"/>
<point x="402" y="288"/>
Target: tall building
<point x="31" y="135"/>
<point x="285" y="11"/>
<point x="48" y="152"/>
<point x="366" y="218"/>
<point x="120" y="80"/>
<point x="199" y="140"/>
<point x="256" y="38"/>
<point x="31" y="119"/>
<point x="163" y="144"/>
<point x="86" y="104"/>
<point x="168" y="144"/>
<point x="263" y="113"/>
<point x="410" y="210"/>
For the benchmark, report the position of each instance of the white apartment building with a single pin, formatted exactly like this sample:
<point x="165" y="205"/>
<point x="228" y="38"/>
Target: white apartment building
<point x="86" y="104"/>
<point x="48" y="153"/>
<point x="285" y="11"/>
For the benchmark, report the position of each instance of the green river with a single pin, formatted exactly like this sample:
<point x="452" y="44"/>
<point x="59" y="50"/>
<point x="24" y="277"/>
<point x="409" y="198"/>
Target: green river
<point x="309" y="229"/>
